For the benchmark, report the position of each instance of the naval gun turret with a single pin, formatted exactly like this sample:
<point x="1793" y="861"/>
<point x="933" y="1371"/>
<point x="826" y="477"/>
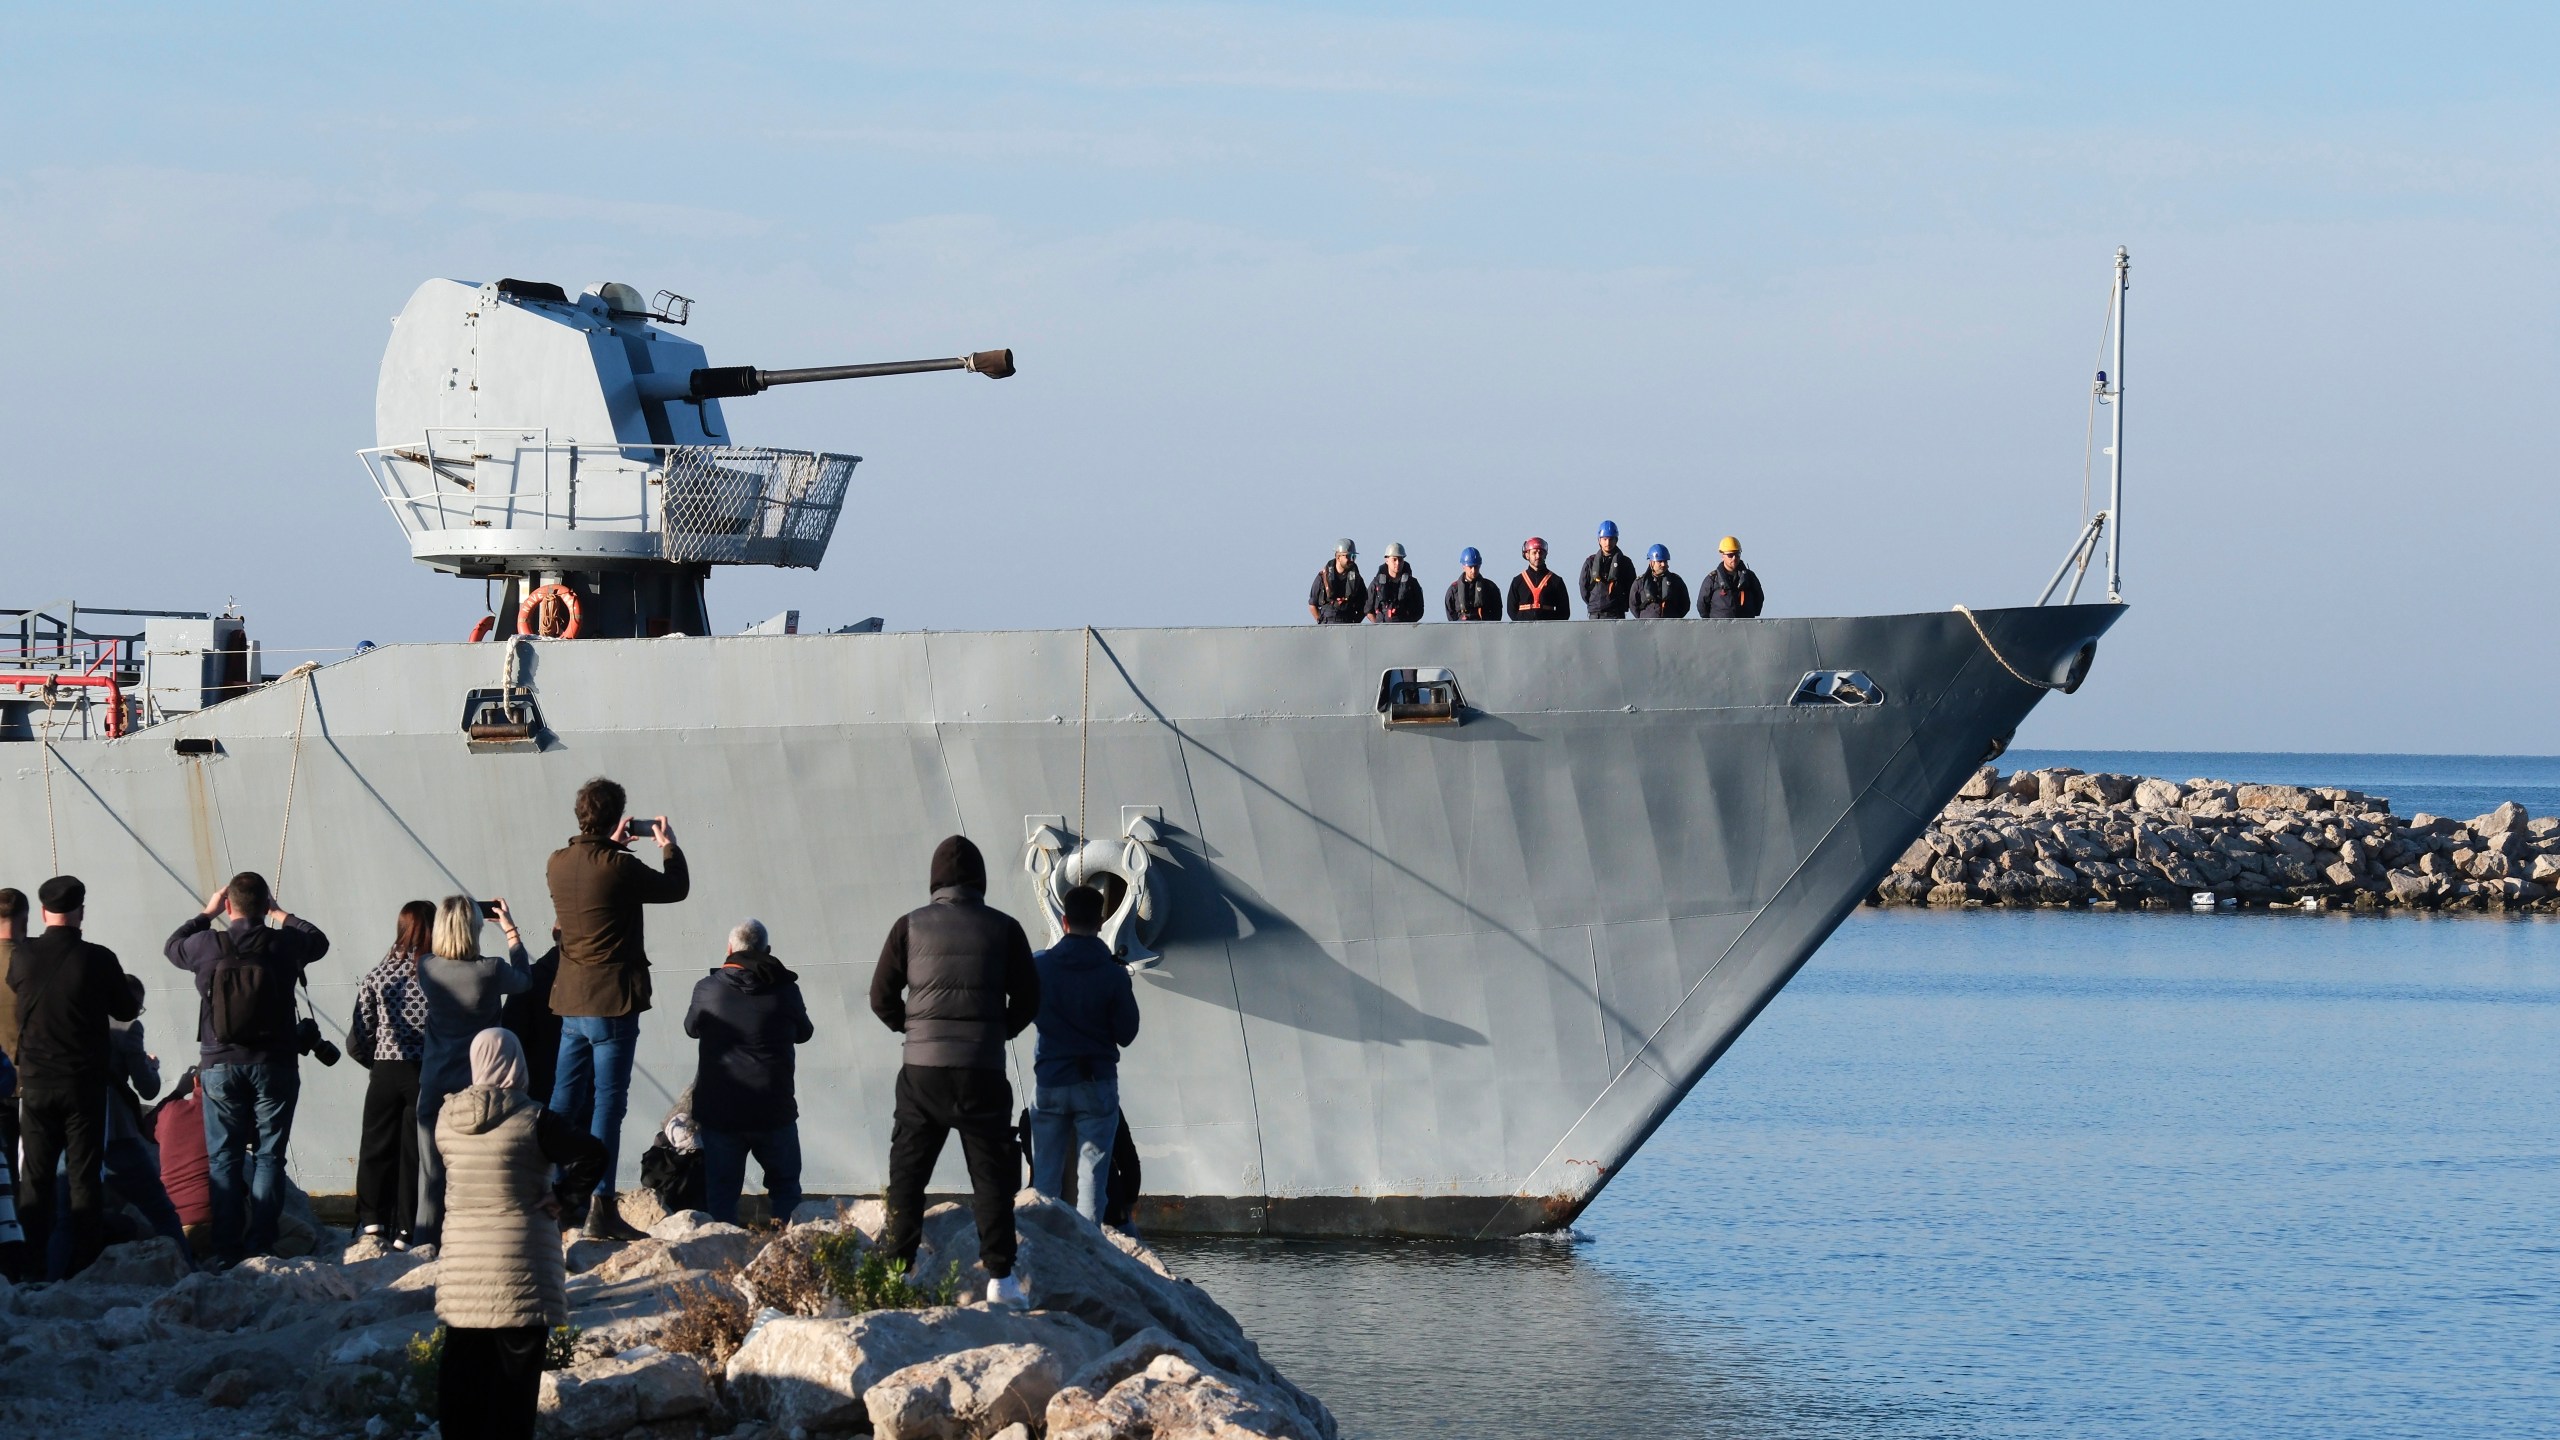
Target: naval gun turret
<point x="572" y="450"/>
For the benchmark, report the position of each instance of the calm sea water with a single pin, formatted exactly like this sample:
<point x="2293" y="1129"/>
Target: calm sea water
<point x="2024" y="1174"/>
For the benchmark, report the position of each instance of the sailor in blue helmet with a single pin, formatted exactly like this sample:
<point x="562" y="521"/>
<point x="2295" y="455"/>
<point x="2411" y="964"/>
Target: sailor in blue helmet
<point x="1339" y="596"/>
<point x="1608" y="578"/>
<point x="1395" y="596"/>
<point x="1659" y="594"/>
<point x="1471" y="596"/>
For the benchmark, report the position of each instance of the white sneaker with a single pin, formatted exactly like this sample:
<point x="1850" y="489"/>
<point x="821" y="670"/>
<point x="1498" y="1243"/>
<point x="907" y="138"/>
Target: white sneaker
<point x="1006" y="1292"/>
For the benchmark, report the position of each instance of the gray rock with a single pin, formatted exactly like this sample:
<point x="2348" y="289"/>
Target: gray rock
<point x="154" y="1263"/>
<point x="2273" y="797"/>
<point x="698" y="1242"/>
<point x="2025" y="786"/>
<point x="611" y="1395"/>
<point x="813" y="1373"/>
<point x="2158" y="795"/>
<point x="2342" y="875"/>
<point x="2407" y="886"/>
<point x="2053" y="784"/>
<point x="1983" y="784"/>
<point x="2545" y="871"/>
<point x="230" y="1389"/>
<point x="965" y="1395"/>
<point x="2509" y="816"/>
<point x="1170" y="1398"/>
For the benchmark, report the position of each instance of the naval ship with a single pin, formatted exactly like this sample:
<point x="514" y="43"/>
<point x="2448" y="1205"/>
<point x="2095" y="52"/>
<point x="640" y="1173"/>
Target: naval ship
<point x="1431" y="924"/>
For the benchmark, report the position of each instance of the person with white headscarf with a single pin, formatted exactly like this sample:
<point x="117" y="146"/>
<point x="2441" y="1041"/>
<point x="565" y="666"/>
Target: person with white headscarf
<point x="500" y="1284"/>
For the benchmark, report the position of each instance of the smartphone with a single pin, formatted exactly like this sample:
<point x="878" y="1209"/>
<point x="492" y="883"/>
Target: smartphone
<point x="489" y="908"/>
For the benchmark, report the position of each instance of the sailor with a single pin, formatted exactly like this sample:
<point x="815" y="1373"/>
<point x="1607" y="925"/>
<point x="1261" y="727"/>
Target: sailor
<point x="1607" y="577"/>
<point x="1537" y="593"/>
<point x="956" y="978"/>
<point x="1338" y="597"/>
<point x="1659" y="594"/>
<point x="1395" y="597"/>
<point x="68" y="990"/>
<point x="1730" y="591"/>
<point x="1471" y="596"/>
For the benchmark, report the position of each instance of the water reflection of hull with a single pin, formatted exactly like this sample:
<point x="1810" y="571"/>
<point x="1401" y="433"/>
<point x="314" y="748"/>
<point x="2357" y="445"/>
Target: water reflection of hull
<point x="1432" y="980"/>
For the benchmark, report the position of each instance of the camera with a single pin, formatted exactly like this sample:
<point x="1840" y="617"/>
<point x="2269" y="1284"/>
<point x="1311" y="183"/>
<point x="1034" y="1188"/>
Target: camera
<point x="307" y="1040"/>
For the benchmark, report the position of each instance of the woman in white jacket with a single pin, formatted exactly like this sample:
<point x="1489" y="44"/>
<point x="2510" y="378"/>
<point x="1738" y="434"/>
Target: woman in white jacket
<point x="500" y="1285"/>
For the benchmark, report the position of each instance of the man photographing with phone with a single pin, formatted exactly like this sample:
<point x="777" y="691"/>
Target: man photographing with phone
<point x="597" y="890"/>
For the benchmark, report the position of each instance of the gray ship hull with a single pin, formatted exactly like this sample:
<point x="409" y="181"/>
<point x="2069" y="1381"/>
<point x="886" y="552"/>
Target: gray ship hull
<point x="1431" y="980"/>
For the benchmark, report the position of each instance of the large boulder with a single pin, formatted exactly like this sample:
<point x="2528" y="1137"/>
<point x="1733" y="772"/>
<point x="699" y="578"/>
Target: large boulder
<point x="154" y="1263"/>
<point x="2510" y="816"/>
<point x="611" y="1395"/>
<point x="965" y="1395"/>
<point x="1172" y="1397"/>
<point x="261" y="1293"/>
<point x="1982" y="784"/>
<point x="698" y="1242"/>
<point x="814" y="1373"/>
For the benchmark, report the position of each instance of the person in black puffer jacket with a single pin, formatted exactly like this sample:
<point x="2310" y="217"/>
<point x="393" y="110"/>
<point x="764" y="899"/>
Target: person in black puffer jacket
<point x="747" y="1015"/>
<point x="956" y="978"/>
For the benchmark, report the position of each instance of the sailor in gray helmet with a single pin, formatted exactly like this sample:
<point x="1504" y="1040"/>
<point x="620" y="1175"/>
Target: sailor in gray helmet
<point x="1395" y="597"/>
<point x="1339" y="597"/>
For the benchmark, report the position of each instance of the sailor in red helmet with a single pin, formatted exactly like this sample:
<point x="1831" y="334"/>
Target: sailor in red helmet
<point x="1538" y="593"/>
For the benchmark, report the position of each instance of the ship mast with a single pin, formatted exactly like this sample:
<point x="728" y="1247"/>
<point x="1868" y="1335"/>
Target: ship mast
<point x="2115" y="439"/>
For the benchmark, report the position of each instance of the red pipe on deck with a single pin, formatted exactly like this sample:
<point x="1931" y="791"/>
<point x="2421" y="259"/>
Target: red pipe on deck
<point x="115" y="692"/>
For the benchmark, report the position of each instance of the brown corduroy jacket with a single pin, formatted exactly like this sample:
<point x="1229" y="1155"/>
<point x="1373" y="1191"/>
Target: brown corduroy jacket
<point x="597" y="889"/>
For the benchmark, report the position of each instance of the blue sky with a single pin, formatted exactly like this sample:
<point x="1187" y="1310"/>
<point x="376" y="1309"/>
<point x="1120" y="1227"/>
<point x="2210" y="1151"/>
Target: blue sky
<point x="1827" y="277"/>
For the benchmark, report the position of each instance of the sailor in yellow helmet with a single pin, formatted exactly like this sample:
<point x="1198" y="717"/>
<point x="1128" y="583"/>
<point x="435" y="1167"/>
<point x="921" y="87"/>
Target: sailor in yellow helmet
<point x="1730" y="591"/>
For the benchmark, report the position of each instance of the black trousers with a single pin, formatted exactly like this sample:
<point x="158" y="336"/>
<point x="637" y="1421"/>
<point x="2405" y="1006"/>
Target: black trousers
<point x="56" y="1125"/>
<point x="387" y="1155"/>
<point x="934" y="1101"/>
<point x="489" y="1383"/>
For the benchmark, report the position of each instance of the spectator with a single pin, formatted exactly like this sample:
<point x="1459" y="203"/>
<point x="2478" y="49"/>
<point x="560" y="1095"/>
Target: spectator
<point x="179" y="1123"/>
<point x="1537" y="593"/>
<point x="1730" y="591"/>
<point x="245" y="974"/>
<point x="1608" y="577"/>
<point x="500" y="1283"/>
<point x="1660" y="594"/>
<point x="529" y="1015"/>
<point x="67" y="991"/>
<point x="956" y="978"/>
<point x="1395" y="597"/>
<point x="13" y="928"/>
<point x="132" y="1169"/>
<point x="465" y="990"/>
<point x="389" y="1039"/>
<point x="1338" y="596"/>
<point x="747" y="1016"/>
<point x="1471" y="596"/>
<point x="598" y="888"/>
<point x="1088" y="1011"/>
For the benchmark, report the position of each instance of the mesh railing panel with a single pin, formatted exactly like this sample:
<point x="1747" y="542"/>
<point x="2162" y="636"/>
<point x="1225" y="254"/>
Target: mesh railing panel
<point x="752" y="507"/>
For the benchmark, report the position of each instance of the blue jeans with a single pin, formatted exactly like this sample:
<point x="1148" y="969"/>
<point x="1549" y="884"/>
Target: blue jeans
<point x="1086" y="1117"/>
<point x="248" y="1114"/>
<point x="724" y="1169"/>
<point x="594" y="1084"/>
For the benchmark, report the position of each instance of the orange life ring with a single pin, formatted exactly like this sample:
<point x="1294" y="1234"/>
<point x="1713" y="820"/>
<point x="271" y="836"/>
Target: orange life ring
<point x="534" y="597"/>
<point x="480" y="631"/>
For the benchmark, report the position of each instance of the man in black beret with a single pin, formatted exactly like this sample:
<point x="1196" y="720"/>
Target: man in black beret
<point x="67" y="990"/>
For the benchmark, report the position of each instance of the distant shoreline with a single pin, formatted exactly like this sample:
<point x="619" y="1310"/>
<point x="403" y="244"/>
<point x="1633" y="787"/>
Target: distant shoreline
<point x="2059" y="837"/>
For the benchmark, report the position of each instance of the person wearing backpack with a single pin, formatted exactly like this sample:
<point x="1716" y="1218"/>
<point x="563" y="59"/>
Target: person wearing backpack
<point x="247" y="1038"/>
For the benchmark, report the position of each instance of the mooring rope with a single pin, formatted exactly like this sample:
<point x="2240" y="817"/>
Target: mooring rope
<point x="1985" y="637"/>
<point x="1084" y="736"/>
<point x="293" y="769"/>
<point x="52" y="840"/>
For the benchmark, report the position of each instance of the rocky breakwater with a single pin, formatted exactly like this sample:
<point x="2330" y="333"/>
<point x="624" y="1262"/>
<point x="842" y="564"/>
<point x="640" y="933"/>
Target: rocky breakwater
<point x="2060" y="838"/>
<point x="700" y="1330"/>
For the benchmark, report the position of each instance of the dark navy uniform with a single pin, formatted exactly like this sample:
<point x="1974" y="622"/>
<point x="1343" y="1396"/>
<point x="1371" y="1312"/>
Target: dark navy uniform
<point x="1729" y="594"/>
<point x="1607" y="580"/>
<point x="1660" y="597"/>
<point x="1396" y="599"/>
<point x="1539" y="595"/>
<point x="1477" y="599"/>
<point x="1339" y="596"/>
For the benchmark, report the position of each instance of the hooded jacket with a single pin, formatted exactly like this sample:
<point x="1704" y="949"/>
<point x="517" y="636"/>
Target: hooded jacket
<point x="67" y="989"/>
<point x="955" y="976"/>
<point x="499" y="1267"/>
<point x="597" y="889"/>
<point x="747" y="1015"/>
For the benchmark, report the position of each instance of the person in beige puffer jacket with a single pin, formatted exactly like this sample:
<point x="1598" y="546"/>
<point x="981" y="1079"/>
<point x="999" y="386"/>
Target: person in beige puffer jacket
<point x="500" y="1284"/>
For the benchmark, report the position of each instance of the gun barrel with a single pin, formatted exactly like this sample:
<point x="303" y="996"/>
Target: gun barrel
<point x="727" y="381"/>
